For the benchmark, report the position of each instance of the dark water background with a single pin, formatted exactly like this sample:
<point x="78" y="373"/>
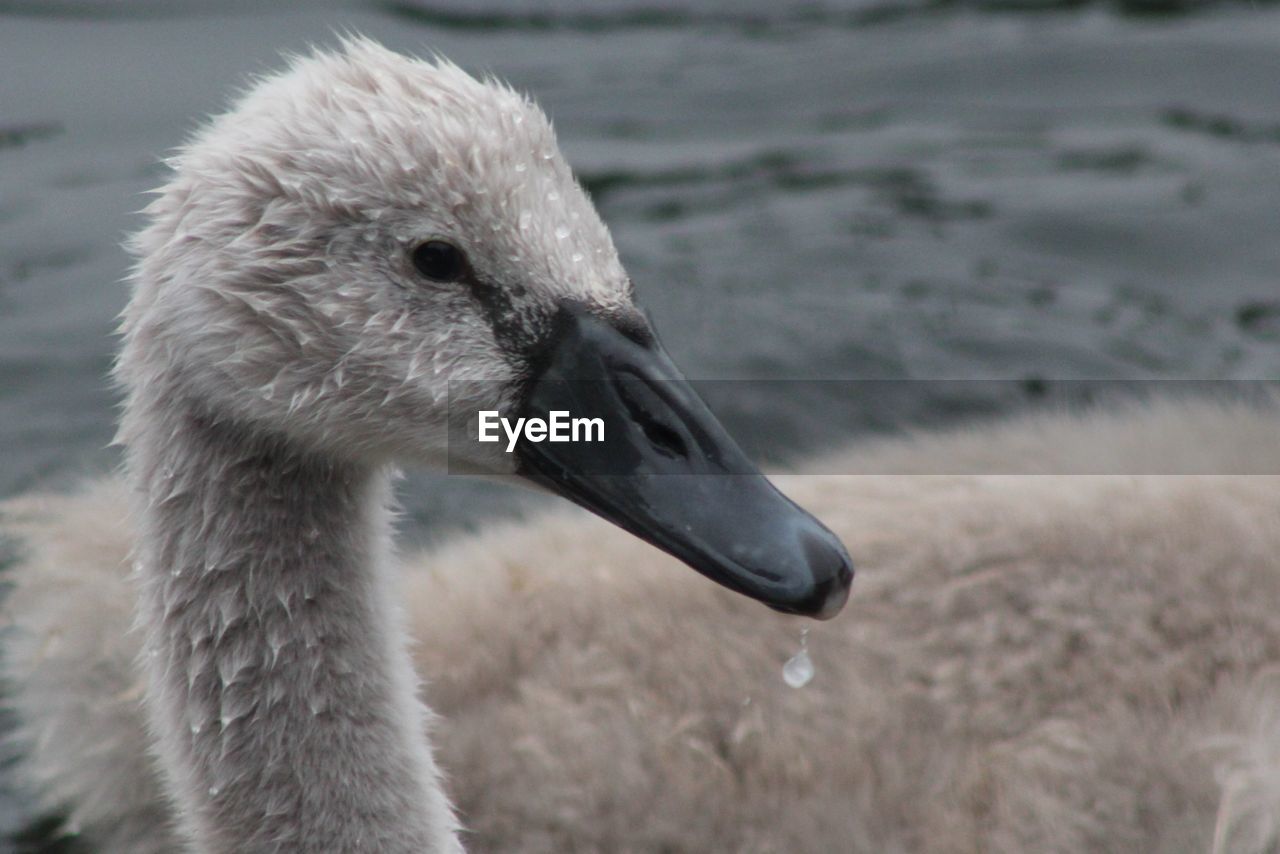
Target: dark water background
<point x="1015" y="190"/>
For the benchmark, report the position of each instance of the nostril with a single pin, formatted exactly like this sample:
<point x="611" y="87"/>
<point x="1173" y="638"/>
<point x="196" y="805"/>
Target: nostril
<point x="643" y="405"/>
<point x="665" y="439"/>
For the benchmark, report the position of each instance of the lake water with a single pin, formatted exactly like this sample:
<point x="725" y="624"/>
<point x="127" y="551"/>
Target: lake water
<point x="1038" y="192"/>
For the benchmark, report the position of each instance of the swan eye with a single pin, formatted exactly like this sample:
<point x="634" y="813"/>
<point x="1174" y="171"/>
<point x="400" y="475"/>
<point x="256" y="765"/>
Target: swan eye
<point x="439" y="261"/>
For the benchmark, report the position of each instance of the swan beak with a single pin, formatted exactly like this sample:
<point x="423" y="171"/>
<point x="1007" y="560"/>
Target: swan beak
<point x="666" y="470"/>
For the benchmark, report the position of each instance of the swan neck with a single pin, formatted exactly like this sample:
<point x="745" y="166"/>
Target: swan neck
<point x="280" y="685"/>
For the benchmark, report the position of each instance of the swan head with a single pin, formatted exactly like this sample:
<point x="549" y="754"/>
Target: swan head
<point x="287" y="268"/>
<point x="367" y="251"/>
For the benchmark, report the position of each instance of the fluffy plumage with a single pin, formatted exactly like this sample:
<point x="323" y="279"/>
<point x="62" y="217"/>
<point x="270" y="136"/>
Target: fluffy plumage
<point x="1049" y="663"/>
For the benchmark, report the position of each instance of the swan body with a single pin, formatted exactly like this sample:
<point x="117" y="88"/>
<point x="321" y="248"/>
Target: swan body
<point x="1033" y="661"/>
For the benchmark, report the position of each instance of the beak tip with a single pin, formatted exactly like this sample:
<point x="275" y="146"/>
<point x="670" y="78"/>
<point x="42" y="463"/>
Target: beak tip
<point x="830" y="572"/>
<point x="832" y="579"/>
<point x="836" y="593"/>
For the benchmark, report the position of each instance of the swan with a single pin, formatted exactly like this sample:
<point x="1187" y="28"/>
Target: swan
<point x="1036" y="661"/>
<point x="352" y="267"/>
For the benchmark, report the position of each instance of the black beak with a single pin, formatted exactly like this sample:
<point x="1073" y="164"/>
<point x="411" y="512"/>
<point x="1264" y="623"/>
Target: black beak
<point x="666" y="471"/>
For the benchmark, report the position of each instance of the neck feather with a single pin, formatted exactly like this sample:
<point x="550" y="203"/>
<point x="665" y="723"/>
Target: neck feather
<point x="281" y="689"/>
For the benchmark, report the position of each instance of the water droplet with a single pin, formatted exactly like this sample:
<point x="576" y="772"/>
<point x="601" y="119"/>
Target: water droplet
<point x="526" y="217"/>
<point x="562" y="231"/>
<point x="517" y="118"/>
<point x="195" y="729"/>
<point x="577" y="256"/>
<point x="553" y="196"/>
<point x="798" y="671"/>
<point x="520" y="167"/>
<point x="547" y="155"/>
<point x="213" y="790"/>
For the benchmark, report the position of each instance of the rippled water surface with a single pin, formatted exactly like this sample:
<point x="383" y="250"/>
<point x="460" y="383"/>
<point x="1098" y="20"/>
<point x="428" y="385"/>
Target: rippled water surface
<point x="1036" y="191"/>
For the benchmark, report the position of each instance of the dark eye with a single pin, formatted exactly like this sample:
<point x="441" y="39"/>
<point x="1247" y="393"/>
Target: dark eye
<point x="439" y="260"/>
